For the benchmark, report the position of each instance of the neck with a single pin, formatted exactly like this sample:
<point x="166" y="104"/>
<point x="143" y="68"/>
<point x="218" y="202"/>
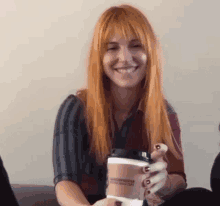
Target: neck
<point x="124" y="98"/>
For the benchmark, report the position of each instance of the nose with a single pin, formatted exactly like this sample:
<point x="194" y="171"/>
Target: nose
<point x="125" y="55"/>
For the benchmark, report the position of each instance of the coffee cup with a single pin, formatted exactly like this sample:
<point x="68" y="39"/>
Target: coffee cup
<point x="125" y="176"/>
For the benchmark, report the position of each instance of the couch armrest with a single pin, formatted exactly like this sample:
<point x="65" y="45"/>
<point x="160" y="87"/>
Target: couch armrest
<point x="35" y="195"/>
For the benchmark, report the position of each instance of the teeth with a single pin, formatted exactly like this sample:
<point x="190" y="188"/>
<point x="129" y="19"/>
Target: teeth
<point x="126" y="70"/>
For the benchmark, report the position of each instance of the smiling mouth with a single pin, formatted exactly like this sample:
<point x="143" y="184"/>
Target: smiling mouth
<point x="127" y="70"/>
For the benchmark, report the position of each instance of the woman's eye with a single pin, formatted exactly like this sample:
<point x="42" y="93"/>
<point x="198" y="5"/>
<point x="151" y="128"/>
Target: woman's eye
<point x="114" y="48"/>
<point x="137" y="45"/>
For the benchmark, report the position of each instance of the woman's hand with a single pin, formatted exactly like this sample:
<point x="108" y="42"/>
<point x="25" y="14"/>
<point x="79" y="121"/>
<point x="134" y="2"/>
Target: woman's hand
<point x="107" y="202"/>
<point x="158" y="175"/>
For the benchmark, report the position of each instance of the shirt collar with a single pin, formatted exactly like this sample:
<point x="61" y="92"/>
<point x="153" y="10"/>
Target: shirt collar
<point x="138" y="107"/>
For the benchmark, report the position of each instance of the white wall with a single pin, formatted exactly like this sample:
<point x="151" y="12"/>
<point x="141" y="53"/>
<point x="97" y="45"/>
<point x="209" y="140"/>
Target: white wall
<point x="43" y="52"/>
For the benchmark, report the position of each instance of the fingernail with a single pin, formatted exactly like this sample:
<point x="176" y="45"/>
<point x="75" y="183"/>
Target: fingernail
<point x="147" y="182"/>
<point x="157" y="147"/>
<point x="147" y="169"/>
<point x="148" y="192"/>
<point x="118" y="203"/>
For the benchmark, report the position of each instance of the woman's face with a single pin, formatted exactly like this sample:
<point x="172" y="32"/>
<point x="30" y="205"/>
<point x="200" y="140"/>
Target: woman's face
<point x="125" y="62"/>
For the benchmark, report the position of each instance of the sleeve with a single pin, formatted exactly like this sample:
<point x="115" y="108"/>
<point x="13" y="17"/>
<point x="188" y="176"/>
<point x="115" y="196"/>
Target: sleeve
<point x="7" y="194"/>
<point x="68" y="155"/>
<point x="175" y="166"/>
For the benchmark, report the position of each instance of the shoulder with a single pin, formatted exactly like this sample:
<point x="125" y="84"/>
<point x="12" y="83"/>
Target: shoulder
<point x="72" y="101"/>
<point x="71" y="107"/>
<point x="173" y="117"/>
<point x="169" y="107"/>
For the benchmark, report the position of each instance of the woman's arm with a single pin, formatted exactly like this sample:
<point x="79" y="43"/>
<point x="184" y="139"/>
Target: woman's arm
<point x="69" y="193"/>
<point x="175" y="183"/>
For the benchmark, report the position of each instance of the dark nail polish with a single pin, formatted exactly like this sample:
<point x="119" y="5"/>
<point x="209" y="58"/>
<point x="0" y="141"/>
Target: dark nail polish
<point x="157" y="147"/>
<point x="118" y="203"/>
<point x="147" y="182"/>
<point x="148" y="192"/>
<point x="147" y="169"/>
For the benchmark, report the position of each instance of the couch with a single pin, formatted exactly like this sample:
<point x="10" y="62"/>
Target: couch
<point x="35" y="195"/>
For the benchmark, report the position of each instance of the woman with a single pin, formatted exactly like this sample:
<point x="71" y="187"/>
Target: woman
<point x="122" y="107"/>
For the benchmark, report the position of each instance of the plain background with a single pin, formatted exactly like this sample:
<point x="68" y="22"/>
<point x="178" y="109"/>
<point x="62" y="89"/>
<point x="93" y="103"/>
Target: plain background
<point x="43" y="50"/>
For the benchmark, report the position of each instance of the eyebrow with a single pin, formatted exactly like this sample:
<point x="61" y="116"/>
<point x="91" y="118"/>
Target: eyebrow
<point x="133" y="40"/>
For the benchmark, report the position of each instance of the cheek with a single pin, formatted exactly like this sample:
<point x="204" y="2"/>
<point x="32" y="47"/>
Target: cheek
<point x="107" y="60"/>
<point x="143" y="58"/>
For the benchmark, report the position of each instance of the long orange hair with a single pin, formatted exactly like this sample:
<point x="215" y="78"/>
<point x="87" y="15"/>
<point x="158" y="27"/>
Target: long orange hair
<point x="125" y="20"/>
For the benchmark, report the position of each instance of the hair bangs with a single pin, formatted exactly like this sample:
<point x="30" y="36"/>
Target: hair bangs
<point x="124" y="26"/>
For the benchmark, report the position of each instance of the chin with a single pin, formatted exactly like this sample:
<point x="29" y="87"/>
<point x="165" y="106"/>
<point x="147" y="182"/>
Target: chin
<point x="127" y="86"/>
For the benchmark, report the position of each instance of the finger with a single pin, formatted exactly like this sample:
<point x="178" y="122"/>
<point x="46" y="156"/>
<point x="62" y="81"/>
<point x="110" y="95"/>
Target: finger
<point x="150" y="182"/>
<point x="155" y="167"/>
<point x="152" y="167"/>
<point x="159" y="151"/>
<point x="159" y="159"/>
<point x="111" y="201"/>
<point x="155" y="188"/>
<point x="146" y="169"/>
